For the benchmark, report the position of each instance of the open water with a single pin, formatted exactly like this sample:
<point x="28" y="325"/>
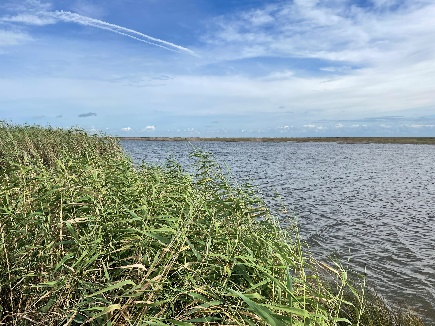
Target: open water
<point x="371" y="205"/>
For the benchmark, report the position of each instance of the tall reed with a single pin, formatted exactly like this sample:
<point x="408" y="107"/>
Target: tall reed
<point x="88" y="238"/>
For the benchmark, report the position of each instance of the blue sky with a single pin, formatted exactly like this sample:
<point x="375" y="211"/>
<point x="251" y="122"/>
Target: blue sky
<point x="220" y="68"/>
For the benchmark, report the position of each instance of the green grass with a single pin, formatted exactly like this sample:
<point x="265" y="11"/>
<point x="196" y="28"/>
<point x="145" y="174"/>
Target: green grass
<point x="87" y="237"/>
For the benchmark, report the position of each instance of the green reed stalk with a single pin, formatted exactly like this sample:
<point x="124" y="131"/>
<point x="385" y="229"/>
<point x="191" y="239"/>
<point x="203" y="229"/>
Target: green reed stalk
<point x="88" y="238"/>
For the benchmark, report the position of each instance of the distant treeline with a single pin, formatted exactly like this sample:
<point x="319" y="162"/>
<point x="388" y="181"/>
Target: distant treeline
<point x="344" y="140"/>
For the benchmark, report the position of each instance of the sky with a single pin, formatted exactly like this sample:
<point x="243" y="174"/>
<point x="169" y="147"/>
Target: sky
<point x="222" y="68"/>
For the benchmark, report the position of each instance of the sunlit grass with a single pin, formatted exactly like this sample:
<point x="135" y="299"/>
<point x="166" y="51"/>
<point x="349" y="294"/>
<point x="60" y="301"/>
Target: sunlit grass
<point x="86" y="237"/>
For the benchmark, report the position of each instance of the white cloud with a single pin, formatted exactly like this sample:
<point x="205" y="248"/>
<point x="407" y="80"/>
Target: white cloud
<point x="334" y="30"/>
<point x="315" y="127"/>
<point x="284" y="74"/>
<point x="366" y="93"/>
<point x="414" y="125"/>
<point x="336" y="69"/>
<point x="127" y="129"/>
<point x="28" y="19"/>
<point x="258" y="17"/>
<point x="284" y="128"/>
<point x="8" y="38"/>
<point x="390" y="69"/>
<point x="383" y="125"/>
<point x="149" y="128"/>
<point x="27" y="6"/>
<point x="87" y="8"/>
<point x="385" y="3"/>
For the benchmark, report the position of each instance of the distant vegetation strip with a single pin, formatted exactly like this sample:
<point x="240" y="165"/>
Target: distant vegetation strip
<point x="345" y="140"/>
<point x="86" y="237"/>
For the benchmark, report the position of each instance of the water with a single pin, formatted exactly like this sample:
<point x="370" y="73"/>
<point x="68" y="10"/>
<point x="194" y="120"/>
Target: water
<point x="371" y="205"/>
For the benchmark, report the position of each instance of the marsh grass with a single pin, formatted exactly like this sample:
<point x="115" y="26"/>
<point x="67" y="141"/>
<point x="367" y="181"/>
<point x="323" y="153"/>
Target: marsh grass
<point x="378" y="312"/>
<point x="88" y="238"/>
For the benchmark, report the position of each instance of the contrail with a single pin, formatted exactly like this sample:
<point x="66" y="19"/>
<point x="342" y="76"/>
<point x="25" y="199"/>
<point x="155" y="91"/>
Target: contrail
<point x="133" y="37"/>
<point x="50" y="17"/>
<point x="68" y="16"/>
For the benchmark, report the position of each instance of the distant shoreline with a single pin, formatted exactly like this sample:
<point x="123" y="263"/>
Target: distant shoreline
<point x="344" y="140"/>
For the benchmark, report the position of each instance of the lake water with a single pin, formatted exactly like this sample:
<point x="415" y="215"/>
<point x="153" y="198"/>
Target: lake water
<point x="371" y="205"/>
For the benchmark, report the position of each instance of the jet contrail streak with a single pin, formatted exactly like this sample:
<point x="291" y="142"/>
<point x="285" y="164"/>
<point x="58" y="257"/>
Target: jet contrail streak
<point x="133" y="37"/>
<point x="68" y="16"/>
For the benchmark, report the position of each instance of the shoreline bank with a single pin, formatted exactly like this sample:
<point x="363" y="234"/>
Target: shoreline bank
<point x="344" y="140"/>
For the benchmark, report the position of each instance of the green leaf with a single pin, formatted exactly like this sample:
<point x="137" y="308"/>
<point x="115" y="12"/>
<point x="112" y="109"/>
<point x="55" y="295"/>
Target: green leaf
<point x="343" y="320"/>
<point x="105" y="311"/>
<point x="180" y="323"/>
<point x="195" y="252"/>
<point x="261" y="311"/>
<point x="157" y="237"/>
<point x="113" y="287"/>
<point x="67" y="257"/>
<point x="204" y="319"/>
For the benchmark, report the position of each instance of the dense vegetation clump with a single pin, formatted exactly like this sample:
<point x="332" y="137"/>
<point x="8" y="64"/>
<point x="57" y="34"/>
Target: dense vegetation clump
<point x="87" y="237"/>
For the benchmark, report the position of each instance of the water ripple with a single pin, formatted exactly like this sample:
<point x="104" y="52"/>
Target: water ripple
<point x="372" y="205"/>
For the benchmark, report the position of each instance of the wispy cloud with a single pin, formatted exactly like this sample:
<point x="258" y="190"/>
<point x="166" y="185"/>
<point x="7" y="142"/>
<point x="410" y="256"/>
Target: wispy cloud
<point x="336" y="69"/>
<point x="42" y="17"/>
<point x="89" y="114"/>
<point x="67" y="16"/>
<point x="27" y="6"/>
<point x="419" y="126"/>
<point x="330" y="30"/>
<point x="87" y="8"/>
<point x="140" y="80"/>
<point x="279" y="75"/>
<point x="30" y="19"/>
<point x="8" y="38"/>
<point x="326" y="67"/>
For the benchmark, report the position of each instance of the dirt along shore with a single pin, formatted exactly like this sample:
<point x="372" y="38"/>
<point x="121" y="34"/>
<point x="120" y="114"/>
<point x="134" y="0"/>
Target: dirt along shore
<point x="345" y="140"/>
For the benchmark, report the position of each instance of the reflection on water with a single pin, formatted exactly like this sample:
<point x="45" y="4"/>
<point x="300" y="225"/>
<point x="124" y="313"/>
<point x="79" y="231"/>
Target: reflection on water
<point x="371" y="204"/>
